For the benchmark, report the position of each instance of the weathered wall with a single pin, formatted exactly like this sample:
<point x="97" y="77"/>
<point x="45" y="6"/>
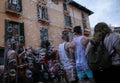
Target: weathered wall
<point x="32" y="26"/>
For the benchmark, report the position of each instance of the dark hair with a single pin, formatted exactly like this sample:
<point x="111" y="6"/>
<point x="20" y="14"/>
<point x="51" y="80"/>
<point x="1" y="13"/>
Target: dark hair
<point x="77" y="30"/>
<point x="64" y="35"/>
<point x="101" y="30"/>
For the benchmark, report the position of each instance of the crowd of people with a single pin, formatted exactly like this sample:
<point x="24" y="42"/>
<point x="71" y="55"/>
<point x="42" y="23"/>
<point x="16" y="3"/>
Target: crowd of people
<point x="68" y="63"/>
<point x="77" y="49"/>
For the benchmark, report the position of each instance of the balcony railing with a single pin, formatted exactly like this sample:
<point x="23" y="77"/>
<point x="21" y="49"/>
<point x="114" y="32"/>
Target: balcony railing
<point x="12" y="8"/>
<point x="42" y="2"/>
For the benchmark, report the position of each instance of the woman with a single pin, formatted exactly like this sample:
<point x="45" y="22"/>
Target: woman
<point x="112" y="43"/>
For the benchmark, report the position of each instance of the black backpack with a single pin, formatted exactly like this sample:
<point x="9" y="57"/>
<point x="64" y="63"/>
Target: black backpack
<point x="98" y="57"/>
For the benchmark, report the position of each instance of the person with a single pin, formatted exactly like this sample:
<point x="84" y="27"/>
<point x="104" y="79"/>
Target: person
<point x="79" y="44"/>
<point x="64" y="56"/>
<point x="112" y="42"/>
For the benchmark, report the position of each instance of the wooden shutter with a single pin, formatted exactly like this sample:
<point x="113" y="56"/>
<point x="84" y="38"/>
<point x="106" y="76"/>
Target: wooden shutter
<point x="20" y="4"/>
<point x="64" y="6"/>
<point x="39" y="11"/>
<point x="70" y="24"/>
<point x="21" y="36"/>
<point x="46" y="13"/>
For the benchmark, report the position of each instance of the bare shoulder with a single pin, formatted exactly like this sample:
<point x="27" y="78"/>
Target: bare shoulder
<point x="72" y="44"/>
<point x="67" y="45"/>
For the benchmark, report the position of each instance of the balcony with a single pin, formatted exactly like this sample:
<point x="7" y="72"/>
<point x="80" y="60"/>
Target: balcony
<point x="12" y="8"/>
<point x="43" y="20"/>
<point x="44" y="2"/>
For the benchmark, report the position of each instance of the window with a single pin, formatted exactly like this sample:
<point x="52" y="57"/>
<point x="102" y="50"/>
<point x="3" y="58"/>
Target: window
<point x="14" y="30"/>
<point x="82" y="14"/>
<point x="55" y="1"/>
<point x="14" y="2"/>
<point x="84" y="20"/>
<point x="42" y="12"/>
<point x="14" y="5"/>
<point x="64" y="6"/>
<point x="84" y="25"/>
<point x="43" y="35"/>
<point x="67" y="20"/>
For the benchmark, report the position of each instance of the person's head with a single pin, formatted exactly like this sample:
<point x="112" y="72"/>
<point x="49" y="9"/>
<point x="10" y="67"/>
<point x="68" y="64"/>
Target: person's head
<point x="77" y="30"/>
<point x="100" y="31"/>
<point x="65" y="35"/>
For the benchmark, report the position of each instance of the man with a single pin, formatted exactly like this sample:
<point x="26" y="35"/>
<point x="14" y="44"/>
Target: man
<point x="64" y="52"/>
<point x="79" y="44"/>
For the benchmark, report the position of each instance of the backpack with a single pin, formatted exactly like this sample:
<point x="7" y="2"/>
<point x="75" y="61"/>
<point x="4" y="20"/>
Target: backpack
<point x="98" y="57"/>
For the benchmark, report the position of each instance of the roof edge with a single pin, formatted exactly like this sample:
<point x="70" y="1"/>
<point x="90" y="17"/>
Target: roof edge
<point x="77" y="5"/>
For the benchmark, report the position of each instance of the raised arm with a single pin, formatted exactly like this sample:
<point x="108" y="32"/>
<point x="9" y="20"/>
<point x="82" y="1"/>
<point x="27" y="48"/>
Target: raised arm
<point x="87" y="48"/>
<point x="85" y="41"/>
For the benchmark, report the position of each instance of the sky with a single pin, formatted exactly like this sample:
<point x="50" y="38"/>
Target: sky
<point x="104" y="11"/>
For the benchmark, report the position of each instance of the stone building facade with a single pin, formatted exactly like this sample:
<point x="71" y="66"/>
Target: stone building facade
<point x="31" y="21"/>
